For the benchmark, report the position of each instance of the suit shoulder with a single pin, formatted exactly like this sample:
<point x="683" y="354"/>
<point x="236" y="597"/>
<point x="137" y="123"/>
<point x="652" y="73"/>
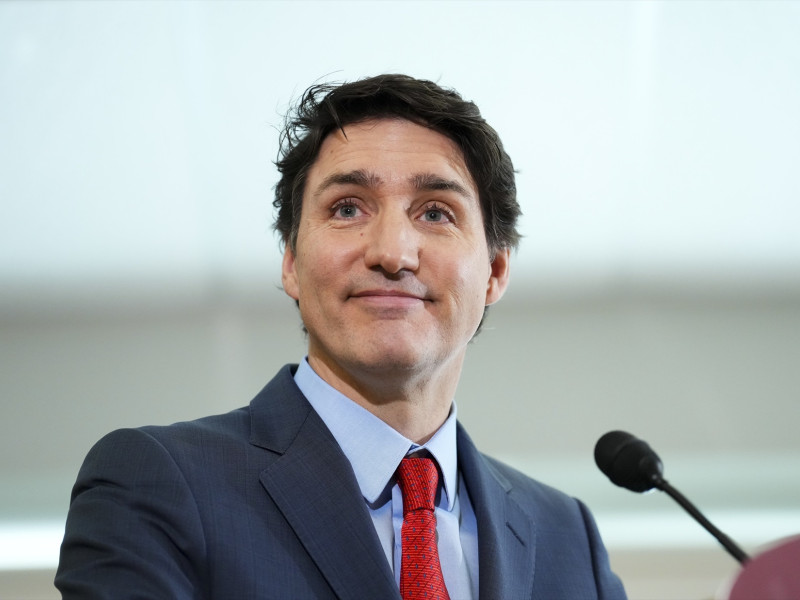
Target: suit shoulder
<point x="153" y="444"/>
<point x="206" y="442"/>
<point x="532" y="492"/>
<point x="212" y="431"/>
<point x="516" y="478"/>
<point x="232" y="425"/>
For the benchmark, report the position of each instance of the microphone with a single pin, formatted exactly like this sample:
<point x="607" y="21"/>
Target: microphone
<point x="628" y="461"/>
<point x="631" y="463"/>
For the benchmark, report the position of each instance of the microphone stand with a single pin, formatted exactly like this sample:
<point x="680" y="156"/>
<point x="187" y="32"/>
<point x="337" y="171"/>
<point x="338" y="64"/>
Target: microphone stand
<point x="727" y="543"/>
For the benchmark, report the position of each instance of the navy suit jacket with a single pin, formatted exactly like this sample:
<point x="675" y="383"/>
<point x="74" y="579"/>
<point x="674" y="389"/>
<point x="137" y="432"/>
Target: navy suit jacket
<point x="262" y="503"/>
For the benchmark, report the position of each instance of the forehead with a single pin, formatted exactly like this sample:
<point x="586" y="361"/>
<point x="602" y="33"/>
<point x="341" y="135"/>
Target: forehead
<point x="392" y="150"/>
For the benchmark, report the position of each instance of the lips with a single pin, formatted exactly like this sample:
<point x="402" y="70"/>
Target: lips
<point x="387" y="294"/>
<point x="389" y="299"/>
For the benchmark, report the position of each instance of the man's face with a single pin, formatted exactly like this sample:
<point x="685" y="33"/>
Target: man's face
<point x="391" y="267"/>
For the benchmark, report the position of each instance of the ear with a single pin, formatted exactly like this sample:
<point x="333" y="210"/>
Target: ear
<point x="289" y="275"/>
<point x="499" y="276"/>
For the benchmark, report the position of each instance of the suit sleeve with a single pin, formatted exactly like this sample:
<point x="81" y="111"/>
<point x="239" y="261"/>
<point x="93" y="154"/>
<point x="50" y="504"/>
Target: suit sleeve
<point x="133" y="528"/>
<point x="609" y="586"/>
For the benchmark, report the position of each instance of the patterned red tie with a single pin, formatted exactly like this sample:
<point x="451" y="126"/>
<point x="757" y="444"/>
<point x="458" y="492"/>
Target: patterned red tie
<point x="420" y="571"/>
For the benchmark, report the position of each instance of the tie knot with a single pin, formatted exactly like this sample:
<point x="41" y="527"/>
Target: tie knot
<point x="418" y="480"/>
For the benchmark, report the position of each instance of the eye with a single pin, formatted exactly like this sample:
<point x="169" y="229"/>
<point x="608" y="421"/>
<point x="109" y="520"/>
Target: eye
<point x="436" y="214"/>
<point x="345" y="209"/>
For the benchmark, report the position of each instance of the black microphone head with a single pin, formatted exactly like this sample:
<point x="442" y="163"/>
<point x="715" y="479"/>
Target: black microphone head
<point x="628" y="461"/>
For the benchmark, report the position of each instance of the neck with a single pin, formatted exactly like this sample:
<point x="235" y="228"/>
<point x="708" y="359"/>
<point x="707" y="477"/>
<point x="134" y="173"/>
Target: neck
<point x="415" y="406"/>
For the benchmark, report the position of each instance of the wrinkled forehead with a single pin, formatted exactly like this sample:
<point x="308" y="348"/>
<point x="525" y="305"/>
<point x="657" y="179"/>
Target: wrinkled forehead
<point x="377" y="151"/>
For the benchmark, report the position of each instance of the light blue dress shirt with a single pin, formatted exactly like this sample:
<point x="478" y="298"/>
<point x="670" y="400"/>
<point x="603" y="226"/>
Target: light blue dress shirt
<point x="375" y="453"/>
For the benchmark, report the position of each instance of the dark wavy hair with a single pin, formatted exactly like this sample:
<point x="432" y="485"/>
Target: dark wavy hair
<point x="326" y="107"/>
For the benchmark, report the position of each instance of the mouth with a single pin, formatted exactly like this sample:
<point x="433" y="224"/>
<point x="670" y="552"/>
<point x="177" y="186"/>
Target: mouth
<point x="386" y="293"/>
<point x="389" y="298"/>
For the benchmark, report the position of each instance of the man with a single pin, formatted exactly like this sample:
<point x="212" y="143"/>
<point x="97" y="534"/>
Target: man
<point x="397" y="211"/>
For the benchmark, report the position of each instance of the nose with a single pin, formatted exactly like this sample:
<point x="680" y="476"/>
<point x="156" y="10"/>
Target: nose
<point x="393" y="243"/>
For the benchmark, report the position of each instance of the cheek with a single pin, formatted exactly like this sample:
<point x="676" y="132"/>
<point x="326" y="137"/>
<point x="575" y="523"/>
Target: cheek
<point x="320" y="280"/>
<point x="469" y="282"/>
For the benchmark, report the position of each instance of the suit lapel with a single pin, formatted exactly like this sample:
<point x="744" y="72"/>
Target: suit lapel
<point x="506" y="534"/>
<point x="313" y="485"/>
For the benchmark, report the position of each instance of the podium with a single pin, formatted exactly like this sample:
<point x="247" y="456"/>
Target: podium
<point x="773" y="574"/>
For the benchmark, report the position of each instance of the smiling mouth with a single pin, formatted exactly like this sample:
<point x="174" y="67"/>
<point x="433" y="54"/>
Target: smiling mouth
<point x="389" y="298"/>
<point x="387" y="293"/>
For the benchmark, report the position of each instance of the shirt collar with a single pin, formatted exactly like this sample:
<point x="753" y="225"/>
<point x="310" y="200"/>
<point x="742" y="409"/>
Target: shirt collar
<point x="376" y="452"/>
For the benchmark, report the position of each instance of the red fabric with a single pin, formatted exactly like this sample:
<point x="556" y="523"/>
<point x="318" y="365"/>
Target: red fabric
<point x="420" y="572"/>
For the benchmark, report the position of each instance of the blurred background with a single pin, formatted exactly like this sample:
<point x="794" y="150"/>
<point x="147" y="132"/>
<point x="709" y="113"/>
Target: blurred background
<point x="657" y="289"/>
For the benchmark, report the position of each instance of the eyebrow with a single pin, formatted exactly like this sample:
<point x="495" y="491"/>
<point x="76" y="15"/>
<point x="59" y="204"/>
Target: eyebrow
<point x="423" y="182"/>
<point x="426" y="182"/>
<point x="359" y="177"/>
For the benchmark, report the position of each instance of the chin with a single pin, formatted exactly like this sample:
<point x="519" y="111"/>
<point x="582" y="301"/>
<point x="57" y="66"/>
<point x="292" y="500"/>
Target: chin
<point x="394" y="361"/>
<point x="394" y="356"/>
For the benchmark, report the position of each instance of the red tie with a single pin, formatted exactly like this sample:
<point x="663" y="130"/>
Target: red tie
<point x="420" y="571"/>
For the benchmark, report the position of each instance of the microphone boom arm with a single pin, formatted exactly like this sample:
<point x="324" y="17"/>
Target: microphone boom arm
<point x="727" y="543"/>
<point x="631" y="463"/>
